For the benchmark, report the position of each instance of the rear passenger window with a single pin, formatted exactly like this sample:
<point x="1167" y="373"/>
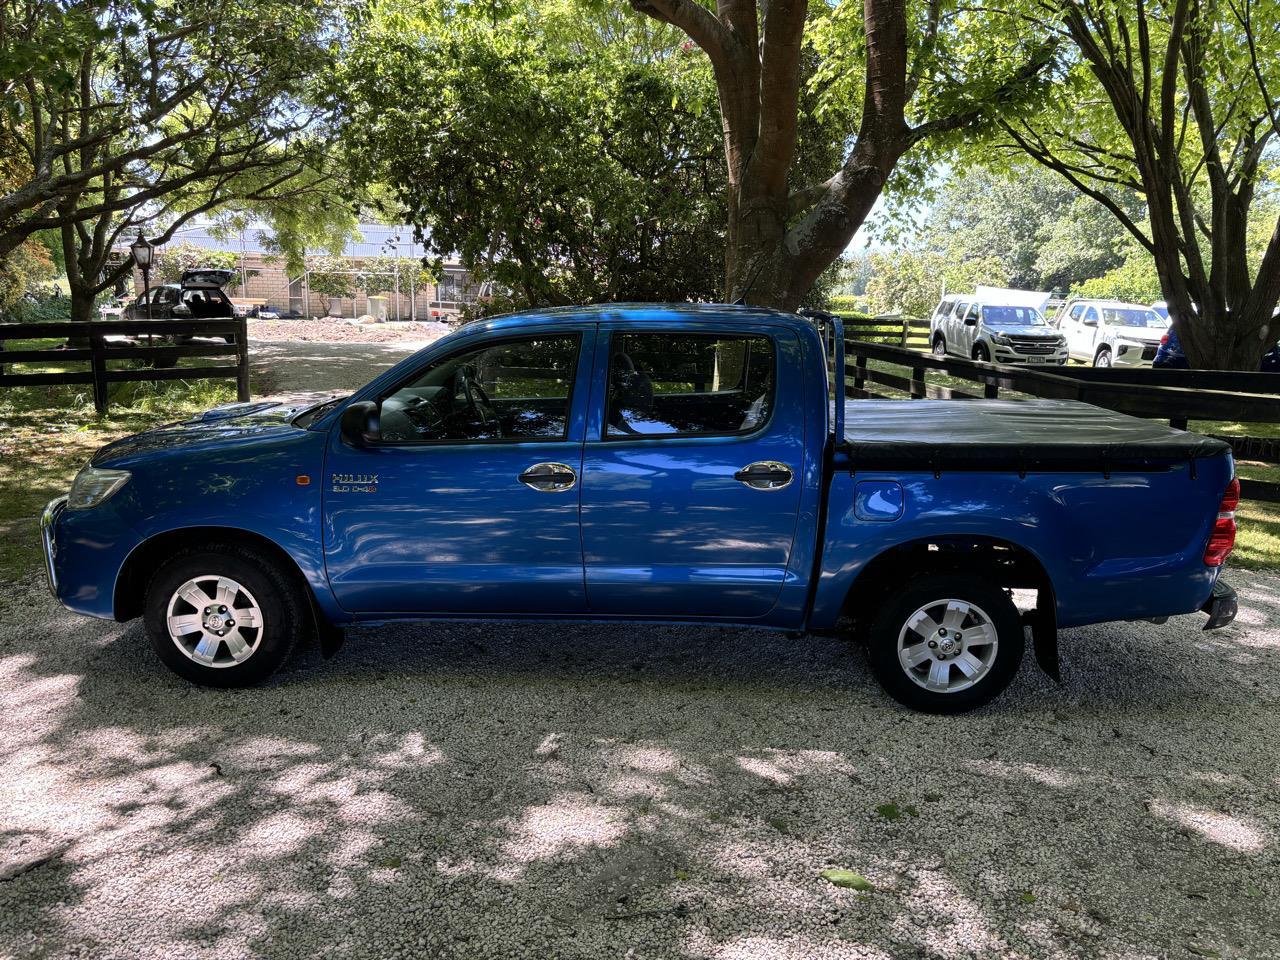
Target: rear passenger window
<point x="663" y="384"/>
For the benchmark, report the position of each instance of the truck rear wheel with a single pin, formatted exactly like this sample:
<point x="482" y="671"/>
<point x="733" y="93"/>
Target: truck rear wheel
<point x="946" y="644"/>
<point x="224" y="616"/>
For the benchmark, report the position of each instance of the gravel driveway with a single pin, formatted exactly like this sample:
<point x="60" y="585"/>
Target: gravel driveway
<point x="595" y="792"/>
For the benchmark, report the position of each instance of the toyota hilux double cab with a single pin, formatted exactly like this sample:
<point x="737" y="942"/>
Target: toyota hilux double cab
<point x="972" y="328"/>
<point x="685" y="464"/>
<point x="1110" y="333"/>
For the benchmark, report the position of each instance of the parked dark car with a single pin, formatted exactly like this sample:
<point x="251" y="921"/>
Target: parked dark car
<point x="199" y="296"/>
<point x="1170" y="356"/>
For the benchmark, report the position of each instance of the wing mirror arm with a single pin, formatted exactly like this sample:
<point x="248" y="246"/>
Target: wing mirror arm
<point x="360" y="424"/>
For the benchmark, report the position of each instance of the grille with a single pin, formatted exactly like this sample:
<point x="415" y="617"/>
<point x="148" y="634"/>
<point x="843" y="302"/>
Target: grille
<point x="1034" y="345"/>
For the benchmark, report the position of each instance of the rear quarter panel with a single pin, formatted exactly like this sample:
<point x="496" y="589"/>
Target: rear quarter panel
<point x="1127" y="546"/>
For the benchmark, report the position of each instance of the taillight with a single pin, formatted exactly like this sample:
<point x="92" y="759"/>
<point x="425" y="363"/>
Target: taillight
<point x="1223" y="538"/>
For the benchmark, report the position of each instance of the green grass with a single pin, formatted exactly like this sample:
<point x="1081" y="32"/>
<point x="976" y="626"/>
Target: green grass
<point x="48" y="433"/>
<point x="1258" y="539"/>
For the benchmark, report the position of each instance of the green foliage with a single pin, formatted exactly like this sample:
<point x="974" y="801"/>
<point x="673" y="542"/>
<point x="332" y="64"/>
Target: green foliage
<point x="24" y="271"/>
<point x="1135" y="281"/>
<point x="1045" y="234"/>
<point x="173" y="258"/>
<point x="561" y="167"/>
<point x="380" y="274"/>
<point x="37" y="310"/>
<point x="911" y="282"/>
<point x="332" y="277"/>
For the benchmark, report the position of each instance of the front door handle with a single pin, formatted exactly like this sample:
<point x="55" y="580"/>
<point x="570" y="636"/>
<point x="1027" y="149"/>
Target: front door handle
<point x="765" y="475"/>
<point x="549" y="477"/>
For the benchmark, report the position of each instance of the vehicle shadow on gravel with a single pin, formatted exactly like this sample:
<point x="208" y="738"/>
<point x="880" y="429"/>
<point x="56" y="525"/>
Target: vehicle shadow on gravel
<point x="463" y="790"/>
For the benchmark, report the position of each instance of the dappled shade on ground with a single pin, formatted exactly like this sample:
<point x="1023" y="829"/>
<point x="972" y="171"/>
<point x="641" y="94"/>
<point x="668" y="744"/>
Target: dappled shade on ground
<point x="490" y="790"/>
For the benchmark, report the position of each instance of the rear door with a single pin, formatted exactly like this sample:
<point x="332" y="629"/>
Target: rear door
<point x="691" y="479"/>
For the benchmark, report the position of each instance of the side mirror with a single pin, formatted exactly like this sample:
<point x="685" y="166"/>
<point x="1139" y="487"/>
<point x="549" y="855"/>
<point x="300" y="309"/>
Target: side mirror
<point x="182" y="310"/>
<point x="970" y="321"/>
<point x="1090" y="322"/>
<point x="360" y="424"/>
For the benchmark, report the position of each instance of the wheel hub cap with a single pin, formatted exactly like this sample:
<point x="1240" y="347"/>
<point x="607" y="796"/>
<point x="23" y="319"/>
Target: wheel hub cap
<point x="214" y="621"/>
<point x="947" y="645"/>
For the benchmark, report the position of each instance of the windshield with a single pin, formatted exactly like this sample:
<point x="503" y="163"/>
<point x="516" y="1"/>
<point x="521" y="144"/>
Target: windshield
<point x="311" y="415"/>
<point x="1013" y="317"/>
<point x="1132" y="317"/>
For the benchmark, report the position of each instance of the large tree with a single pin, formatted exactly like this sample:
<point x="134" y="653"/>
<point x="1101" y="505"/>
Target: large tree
<point x="563" y="154"/>
<point x="1175" y="102"/>
<point x="129" y="115"/>
<point x="921" y="78"/>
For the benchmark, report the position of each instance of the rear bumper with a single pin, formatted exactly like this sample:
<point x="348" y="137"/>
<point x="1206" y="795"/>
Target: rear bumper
<point x="49" y="541"/>
<point x="1221" y="606"/>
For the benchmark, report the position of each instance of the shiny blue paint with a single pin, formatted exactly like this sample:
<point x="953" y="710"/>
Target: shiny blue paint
<point x="664" y="532"/>
<point x="880" y="500"/>
<point x="449" y="528"/>
<point x="1094" y="537"/>
<point x="238" y="474"/>
<point x="666" y="529"/>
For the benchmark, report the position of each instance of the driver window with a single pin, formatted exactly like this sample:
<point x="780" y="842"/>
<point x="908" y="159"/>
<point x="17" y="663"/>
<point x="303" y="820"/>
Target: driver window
<point x="514" y="390"/>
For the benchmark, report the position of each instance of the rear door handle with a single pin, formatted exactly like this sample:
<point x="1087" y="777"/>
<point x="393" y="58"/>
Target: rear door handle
<point x="549" y="477"/>
<point x="765" y="475"/>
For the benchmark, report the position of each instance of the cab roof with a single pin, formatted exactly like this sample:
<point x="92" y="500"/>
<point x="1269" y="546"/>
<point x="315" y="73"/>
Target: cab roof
<point x="648" y="313"/>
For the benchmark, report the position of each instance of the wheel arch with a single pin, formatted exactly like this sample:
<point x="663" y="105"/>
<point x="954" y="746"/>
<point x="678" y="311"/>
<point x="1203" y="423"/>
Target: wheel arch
<point x="1009" y="564"/>
<point x="131" y="581"/>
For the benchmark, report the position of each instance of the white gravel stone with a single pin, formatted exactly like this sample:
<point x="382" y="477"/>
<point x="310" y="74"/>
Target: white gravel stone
<point x="587" y="791"/>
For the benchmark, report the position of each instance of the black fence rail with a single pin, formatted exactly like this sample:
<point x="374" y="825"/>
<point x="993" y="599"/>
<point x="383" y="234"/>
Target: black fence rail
<point x="161" y="343"/>
<point x="910" y="373"/>
<point x="890" y="330"/>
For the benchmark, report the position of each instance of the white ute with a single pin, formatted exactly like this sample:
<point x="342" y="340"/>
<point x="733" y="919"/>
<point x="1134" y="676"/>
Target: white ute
<point x="1110" y="333"/>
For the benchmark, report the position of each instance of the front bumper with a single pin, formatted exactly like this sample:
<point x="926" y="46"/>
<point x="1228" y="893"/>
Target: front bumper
<point x="49" y="540"/>
<point x="1004" y="354"/>
<point x="1133" y="355"/>
<point x="1221" y="606"/>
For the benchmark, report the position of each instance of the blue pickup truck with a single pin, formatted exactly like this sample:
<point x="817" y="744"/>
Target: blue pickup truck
<point x="661" y="463"/>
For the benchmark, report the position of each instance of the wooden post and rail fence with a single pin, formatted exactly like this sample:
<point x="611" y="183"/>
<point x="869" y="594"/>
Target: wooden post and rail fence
<point x="160" y="344"/>
<point x="880" y="363"/>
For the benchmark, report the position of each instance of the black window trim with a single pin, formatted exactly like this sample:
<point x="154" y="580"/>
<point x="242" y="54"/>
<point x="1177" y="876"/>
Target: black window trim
<point x="606" y="437"/>
<point x="577" y="335"/>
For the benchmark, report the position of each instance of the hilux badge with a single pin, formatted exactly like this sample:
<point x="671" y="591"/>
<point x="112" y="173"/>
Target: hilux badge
<point x="355" y="483"/>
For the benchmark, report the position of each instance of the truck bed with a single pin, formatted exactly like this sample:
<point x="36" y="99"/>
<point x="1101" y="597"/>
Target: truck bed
<point x="1012" y="434"/>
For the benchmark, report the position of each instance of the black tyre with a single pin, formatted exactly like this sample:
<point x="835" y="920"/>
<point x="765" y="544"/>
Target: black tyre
<point x="939" y="347"/>
<point x="1103" y="359"/>
<point x="224" y="616"/>
<point x="980" y="353"/>
<point x="946" y="643"/>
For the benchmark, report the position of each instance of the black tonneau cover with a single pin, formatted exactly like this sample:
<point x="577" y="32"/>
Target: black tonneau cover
<point x="1011" y="434"/>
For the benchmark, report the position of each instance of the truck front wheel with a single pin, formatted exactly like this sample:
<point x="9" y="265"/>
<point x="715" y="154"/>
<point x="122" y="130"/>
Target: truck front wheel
<point x="946" y="644"/>
<point x="224" y="615"/>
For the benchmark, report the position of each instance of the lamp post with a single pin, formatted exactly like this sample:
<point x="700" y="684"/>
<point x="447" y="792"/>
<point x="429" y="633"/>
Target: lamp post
<point x="142" y="251"/>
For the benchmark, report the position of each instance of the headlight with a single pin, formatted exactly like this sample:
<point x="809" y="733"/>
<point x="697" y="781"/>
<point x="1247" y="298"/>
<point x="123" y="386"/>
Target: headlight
<point x="1003" y="340"/>
<point x="93" y="486"/>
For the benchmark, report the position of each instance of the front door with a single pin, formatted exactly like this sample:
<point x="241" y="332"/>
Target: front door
<point x="469" y="502"/>
<point x="691" y="477"/>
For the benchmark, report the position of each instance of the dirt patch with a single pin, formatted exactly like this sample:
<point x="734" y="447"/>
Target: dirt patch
<point x="332" y="330"/>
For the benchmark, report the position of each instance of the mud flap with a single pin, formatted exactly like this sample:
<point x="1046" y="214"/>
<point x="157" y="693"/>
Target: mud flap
<point x="329" y="637"/>
<point x="1044" y="637"/>
<point x="1221" y="606"/>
